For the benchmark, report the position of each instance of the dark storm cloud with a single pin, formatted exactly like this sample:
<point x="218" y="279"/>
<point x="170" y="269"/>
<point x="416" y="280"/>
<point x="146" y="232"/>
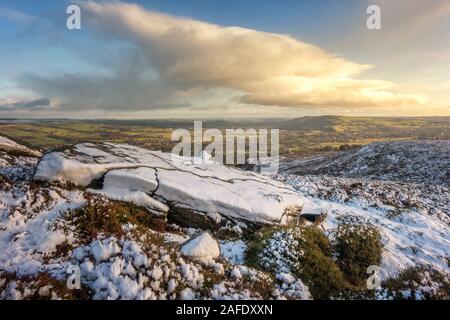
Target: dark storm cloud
<point x="26" y="104"/>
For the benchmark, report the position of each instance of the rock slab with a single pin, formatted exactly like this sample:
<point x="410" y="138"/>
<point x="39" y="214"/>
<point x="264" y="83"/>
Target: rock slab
<point x="200" y="194"/>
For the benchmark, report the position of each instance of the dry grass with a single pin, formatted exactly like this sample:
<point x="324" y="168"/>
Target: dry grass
<point x="100" y="216"/>
<point x="420" y="282"/>
<point x="32" y="288"/>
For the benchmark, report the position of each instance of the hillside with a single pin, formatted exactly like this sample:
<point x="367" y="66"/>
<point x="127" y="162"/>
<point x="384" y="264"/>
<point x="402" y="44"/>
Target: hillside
<point x="369" y="124"/>
<point x="401" y="161"/>
<point x="140" y="225"/>
<point x="321" y="123"/>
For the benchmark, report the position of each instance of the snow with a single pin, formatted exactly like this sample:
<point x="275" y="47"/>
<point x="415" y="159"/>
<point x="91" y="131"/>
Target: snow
<point x="136" y="175"/>
<point x="202" y="248"/>
<point x="102" y="251"/>
<point x="132" y="185"/>
<point x="115" y="276"/>
<point x="233" y="251"/>
<point x="278" y="254"/>
<point x="236" y="273"/>
<point x="187" y="294"/>
<point x="400" y="161"/>
<point x="413" y="218"/>
<point x="143" y="179"/>
<point x="33" y="236"/>
<point x="293" y="287"/>
<point x="411" y="236"/>
<point x="6" y="143"/>
<point x="246" y="199"/>
<point x="54" y="166"/>
<point x="174" y="238"/>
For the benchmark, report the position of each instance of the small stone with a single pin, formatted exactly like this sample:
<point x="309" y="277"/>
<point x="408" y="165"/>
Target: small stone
<point x="203" y="248"/>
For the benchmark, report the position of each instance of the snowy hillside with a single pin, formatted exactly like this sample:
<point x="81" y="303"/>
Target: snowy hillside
<point x="414" y="223"/>
<point x="14" y="153"/>
<point x="403" y="161"/>
<point x="138" y="225"/>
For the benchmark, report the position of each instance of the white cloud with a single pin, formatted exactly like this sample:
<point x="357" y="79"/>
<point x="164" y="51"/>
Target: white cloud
<point x="270" y="69"/>
<point x="17" y="16"/>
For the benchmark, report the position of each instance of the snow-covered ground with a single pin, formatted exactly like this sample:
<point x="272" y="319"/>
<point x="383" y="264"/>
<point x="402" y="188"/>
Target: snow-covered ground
<point x="38" y="240"/>
<point x="8" y="144"/>
<point x="400" y="161"/>
<point x="412" y="234"/>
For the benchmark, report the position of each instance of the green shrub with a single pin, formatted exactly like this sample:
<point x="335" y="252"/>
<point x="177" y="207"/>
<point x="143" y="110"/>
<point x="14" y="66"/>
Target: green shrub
<point x="316" y="267"/>
<point x="307" y="252"/>
<point x="357" y="246"/>
<point x="257" y="244"/>
<point x="330" y="269"/>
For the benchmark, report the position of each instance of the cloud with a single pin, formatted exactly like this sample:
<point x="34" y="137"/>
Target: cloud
<point x="413" y="14"/>
<point x="149" y="61"/>
<point x="17" y="16"/>
<point x="21" y="104"/>
<point x="267" y="68"/>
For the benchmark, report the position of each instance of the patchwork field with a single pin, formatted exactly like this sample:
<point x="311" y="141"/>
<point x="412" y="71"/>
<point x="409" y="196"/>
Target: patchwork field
<point x="302" y="136"/>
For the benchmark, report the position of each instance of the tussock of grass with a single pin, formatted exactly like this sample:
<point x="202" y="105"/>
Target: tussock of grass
<point x="20" y="153"/>
<point x="44" y="287"/>
<point x="101" y="216"/>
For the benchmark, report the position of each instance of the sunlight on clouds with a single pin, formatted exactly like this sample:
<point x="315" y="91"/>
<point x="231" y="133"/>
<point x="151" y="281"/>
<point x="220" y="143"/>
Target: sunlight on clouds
<point x="271" y="69"/>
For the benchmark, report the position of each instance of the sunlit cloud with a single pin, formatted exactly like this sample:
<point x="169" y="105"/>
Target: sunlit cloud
<point x="269" y="69"/>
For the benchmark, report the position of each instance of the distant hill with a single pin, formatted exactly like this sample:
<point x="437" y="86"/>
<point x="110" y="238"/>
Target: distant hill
<point x="321" y="123"/>
<point x="358" y="124"/>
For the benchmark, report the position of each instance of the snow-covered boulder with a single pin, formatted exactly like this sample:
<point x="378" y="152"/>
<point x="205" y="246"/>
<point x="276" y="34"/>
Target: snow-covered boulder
<point x="133" y="185"/>
<point x="202" y="248"/>
<point x="194" y="194"/>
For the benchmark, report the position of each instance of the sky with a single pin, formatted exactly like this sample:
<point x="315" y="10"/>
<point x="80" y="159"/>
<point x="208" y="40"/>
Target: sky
<point x="224" y="59"/>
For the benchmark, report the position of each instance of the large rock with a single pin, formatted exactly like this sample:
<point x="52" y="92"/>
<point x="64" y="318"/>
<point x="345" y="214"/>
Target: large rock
<point x="199" y="195"/>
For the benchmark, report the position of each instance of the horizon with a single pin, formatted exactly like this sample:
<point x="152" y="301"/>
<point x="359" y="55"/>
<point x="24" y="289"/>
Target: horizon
<point x="158" y="59"/>
<point x="222" y="118"/>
